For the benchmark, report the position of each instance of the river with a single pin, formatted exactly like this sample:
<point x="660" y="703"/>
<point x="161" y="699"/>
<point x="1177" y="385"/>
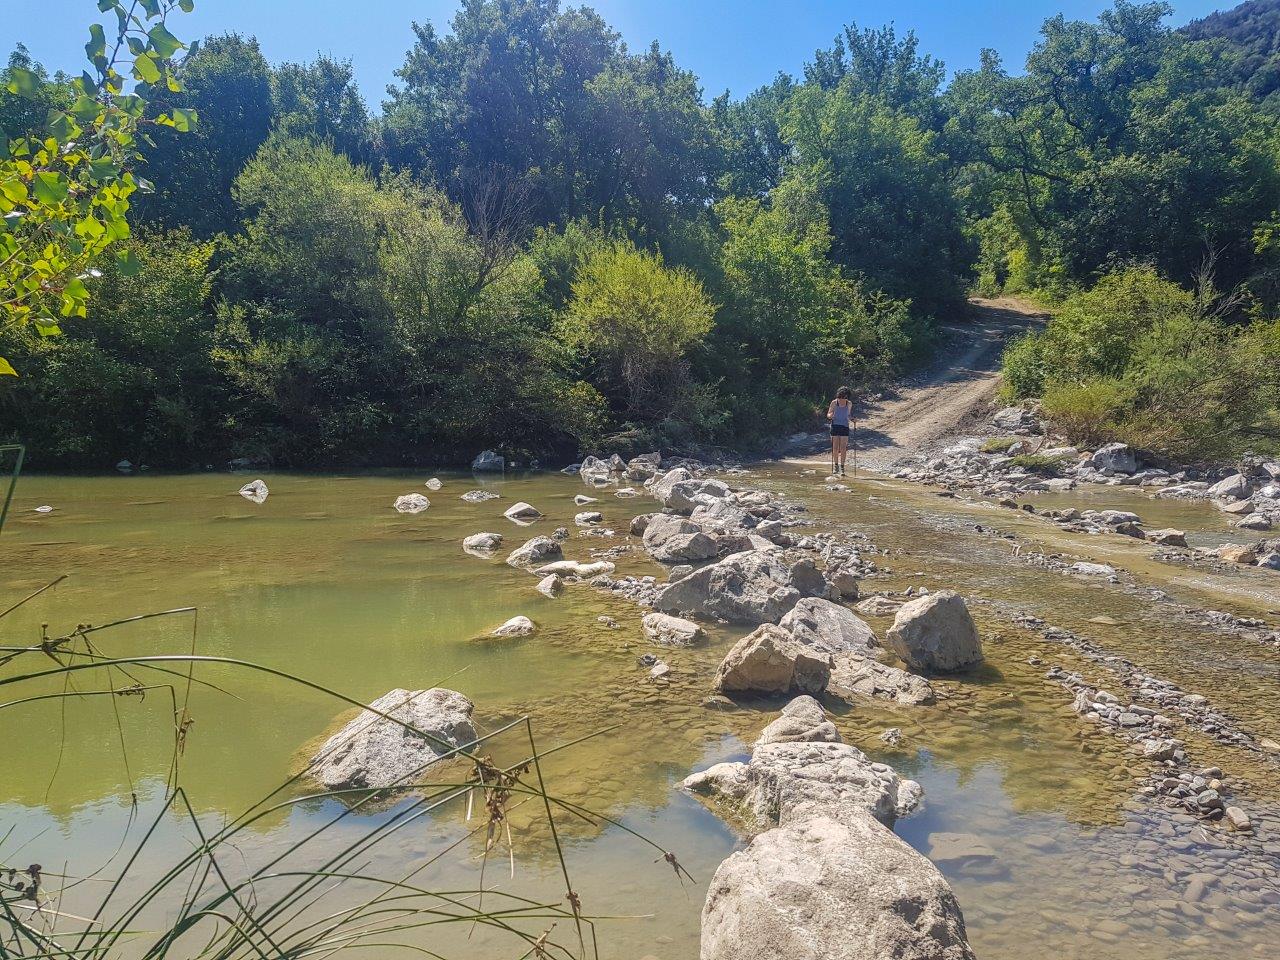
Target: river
<point x="326" y="581"/>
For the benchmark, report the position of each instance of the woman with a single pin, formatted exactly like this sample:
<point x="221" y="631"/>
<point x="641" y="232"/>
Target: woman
<point x="839" y="413"/>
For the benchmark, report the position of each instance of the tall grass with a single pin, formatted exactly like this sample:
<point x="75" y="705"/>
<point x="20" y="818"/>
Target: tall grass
<point x="313" y="898"/>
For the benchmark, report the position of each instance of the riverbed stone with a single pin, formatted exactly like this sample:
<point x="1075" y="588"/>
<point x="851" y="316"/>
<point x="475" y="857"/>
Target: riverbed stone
<point x="588" y="517"/>
<point x="551" y="585"/>
<point x="1238" y="553"/>
<point x="788" y="781"/>
<point x="829" y="627"/>
<point x="478" y="496"/>
<point x="482" y="542"/>
<point x="535" y="551"/>
<point x="522" y="511"/>
<point x="757" y="586"/>
<point x="255" y="491"/>
<point x="372" y="752"/>
<point x="936" y="632"/>
<point x="519" y="626"/>
<point x="770" y="660"/>
<point x="828" y="889"/>
<point x="1168" y="537"/>
<point x="1256" y="521"/>
<point x="411" y="503"/>
<point x="802" y="720"/>
<point x="668" y="631"/>
<point x="878" y="606"/>
<point x="853" y="676"/>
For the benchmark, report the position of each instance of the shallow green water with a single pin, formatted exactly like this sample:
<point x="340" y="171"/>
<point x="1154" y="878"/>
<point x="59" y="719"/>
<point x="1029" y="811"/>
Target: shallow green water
<point x="327" y="581"/>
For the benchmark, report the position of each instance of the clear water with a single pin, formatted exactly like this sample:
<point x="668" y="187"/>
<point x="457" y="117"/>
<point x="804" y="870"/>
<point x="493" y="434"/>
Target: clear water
<point x="325" y="580"/>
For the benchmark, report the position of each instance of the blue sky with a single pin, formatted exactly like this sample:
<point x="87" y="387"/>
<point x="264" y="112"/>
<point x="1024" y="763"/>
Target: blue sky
<point x="734" y="44"/>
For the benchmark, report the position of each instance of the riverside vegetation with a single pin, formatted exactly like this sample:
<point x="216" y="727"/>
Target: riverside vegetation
<point x="546" y="241"/>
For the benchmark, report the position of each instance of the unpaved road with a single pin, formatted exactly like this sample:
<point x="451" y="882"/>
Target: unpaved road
<point x="933" y="403"/>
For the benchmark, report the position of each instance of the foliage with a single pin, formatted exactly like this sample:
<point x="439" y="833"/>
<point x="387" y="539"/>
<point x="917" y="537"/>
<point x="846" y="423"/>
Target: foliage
<point x="998" y="444"/>
<point x="1036" y="462"/>
<point x="1138" y="358"/>
<point x="65" y="186"/>
<point x="639" y="318"/>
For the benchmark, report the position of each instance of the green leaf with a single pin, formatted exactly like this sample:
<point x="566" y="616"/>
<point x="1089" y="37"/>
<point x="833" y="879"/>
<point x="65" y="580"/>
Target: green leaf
<point x="4" y="145"/>
<point x="183" y="119"/>
<point x="62" y="126"/>
<point x="47" y="327"/>
<point x="50" y="188"/>
<point x="97" y="45"/>
<point x="6" y="368"/>
<point x="163" y="42"/>
<point x="186" y="5"/>
<point x="22" y="82"/>
<point x="152" y="7"/>
<point x="128" y="263"/>
<point x="14" y="190"/>
<point x="105" y="5"/>
<point x="85" y="108"/>
<point x="145" y="69"/>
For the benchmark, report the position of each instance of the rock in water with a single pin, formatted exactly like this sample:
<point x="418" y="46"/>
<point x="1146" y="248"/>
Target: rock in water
<point x="411" y="503"/>
<point x="44" y="508"/>
<point x="823" y="889"/>
<point x="853" y="676"/>
<point x="576" y="568"/>
<point x="516" y="627"/>
<point x="1116" y="457"/>
<point x="803" y="721"/>
<point x="551" y="585"/>
<point x="786" y="782"/>
<point x="124" y="466"/>
<point x="255" y="491"/>
<point x="478" y="496"/>
<point x="372" y="752"/>
<point x="771" y="660"/>
<point x="829" y="627"/>
<point x="535" y="551"/>
<point x="588" y="517"/>
<point x="522" y="511"/>
<point x="668" y="631"/>
<point x="435" y="483"/>
<point x="1168" y="537"/>
<point x="752" y="587"/>
<point x="936" y="633"/>
<point x="482" y="542"/>
<point x="489" y="461"/>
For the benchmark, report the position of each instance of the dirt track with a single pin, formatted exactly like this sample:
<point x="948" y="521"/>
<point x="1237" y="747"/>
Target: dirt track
<point x="932" y="404"/>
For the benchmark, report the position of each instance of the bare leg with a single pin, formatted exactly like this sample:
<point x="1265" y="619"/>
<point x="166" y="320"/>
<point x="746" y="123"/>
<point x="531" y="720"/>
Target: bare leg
<point x="844" y="451"/>
<point x="839" y="445"/>
<point x="835" y="441"/>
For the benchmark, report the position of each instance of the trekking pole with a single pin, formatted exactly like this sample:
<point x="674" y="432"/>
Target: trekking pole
<point x="853" y="433"/>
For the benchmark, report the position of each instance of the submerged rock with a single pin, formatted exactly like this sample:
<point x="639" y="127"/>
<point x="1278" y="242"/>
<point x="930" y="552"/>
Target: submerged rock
<point x="551" y="585"/>
<point x="435" y="483"/>
<point x="668" y="631"/>
<point x="1168" y="537"/>
<point x="373" y="752"/>
<point x="854" y="676"/>
<point x="575" y="568"/>
<point x="255" y="491"/>
<point x="770" y="660"/>
<point x="411" y="503"/>
<point x="936" y="632"/>
<point x="482" y="542"/>
<point x="827" y="889"/>
<point x="478" y="496"/>
<point x="516" y="627"/>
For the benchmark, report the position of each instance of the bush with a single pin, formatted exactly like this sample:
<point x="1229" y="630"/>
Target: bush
<point x="998" y="444"/>
<point x="1087" y="412"/>
<point x="1037" y="463"/>
<point x="1023" y="368"/>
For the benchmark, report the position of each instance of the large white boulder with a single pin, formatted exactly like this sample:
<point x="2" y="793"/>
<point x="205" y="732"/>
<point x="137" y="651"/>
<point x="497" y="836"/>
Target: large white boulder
<point x="827" y="889"/>
<point x="671" y="539"/>
<point x="516" y="627"/>
<point x="1014" y="418"/>
<point x="1234" y="487"/>
<point x="687" y="495"/>
<point x="373" y="752"/>
<point x="576" y="568"/>
<point x="1116" y="457"/>
<point x="482" y="542"/>
<point x="660" y="485"/>
<point x="755" y="586"/>
<point x="935" y="632"/>
<point x="829" y="627"/>
<point x="770" y="660"/>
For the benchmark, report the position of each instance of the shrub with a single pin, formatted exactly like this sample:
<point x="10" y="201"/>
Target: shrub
<point x="1037" y="462"/>
<point x="1086" y="412"/>
<point x="998" y="444"/>
<point x="1023" y="368"/>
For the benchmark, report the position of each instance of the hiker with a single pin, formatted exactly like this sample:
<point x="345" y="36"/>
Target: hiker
<point x="839" y="413"/>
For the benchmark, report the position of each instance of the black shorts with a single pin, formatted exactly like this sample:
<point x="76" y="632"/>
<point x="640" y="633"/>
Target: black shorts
<point x="839" y="431"/>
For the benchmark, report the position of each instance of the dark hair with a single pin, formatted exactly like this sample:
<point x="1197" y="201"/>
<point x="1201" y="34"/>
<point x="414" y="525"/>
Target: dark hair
<point x="842" y="393"/>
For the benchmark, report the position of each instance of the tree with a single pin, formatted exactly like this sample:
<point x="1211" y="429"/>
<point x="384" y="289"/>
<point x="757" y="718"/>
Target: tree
<point x="639" y="318"/>
<point x="65" y="189"/>
<point x="228" y="82"/>
<point x="320" y="99"/>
